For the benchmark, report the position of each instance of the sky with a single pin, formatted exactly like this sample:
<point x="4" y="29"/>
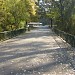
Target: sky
<point x="40" y="0"/>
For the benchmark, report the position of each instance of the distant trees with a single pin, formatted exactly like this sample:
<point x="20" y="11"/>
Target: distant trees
<point x="15" y="13"/>
<point x="66" y="16"/>
<point x="63" y="14"/>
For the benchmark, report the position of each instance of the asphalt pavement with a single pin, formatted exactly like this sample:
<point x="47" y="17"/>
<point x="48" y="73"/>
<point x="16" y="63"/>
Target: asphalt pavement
<point x="37" y="52"/>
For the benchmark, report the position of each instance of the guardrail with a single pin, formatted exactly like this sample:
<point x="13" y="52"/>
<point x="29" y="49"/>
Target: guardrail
<point x="10" y="34"/>
<point x="66" y="36"/>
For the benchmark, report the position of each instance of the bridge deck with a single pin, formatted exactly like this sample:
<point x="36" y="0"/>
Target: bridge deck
<point x="38" y="52"/>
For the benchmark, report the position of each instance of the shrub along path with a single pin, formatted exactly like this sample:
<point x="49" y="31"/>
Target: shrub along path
<point x="38" y="52"/>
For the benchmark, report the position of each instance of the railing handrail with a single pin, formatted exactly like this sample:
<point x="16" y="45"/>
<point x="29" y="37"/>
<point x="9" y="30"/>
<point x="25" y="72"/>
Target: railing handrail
<point x="69" y="38"/>
<point x="9" y="34"/>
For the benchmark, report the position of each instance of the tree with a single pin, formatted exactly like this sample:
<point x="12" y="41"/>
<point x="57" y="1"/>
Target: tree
<point x="65" y="10"/>
<point x="14" y="13"/>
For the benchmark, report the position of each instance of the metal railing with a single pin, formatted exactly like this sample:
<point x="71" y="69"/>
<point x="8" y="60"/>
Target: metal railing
<point x="66" y="36"/>
<point x="10" y="34"/>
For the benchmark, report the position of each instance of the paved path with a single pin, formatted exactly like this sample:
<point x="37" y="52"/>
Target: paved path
<point x="39" y="52"/>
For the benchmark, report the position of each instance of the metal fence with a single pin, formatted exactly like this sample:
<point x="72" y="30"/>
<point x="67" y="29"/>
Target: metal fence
<point x="10" y="34"/>
<point x="66" y="36"/>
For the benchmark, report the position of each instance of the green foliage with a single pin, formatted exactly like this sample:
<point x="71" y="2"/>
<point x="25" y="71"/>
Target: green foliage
<point x="64" y="15"/>
<point x="14" y="13"/>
